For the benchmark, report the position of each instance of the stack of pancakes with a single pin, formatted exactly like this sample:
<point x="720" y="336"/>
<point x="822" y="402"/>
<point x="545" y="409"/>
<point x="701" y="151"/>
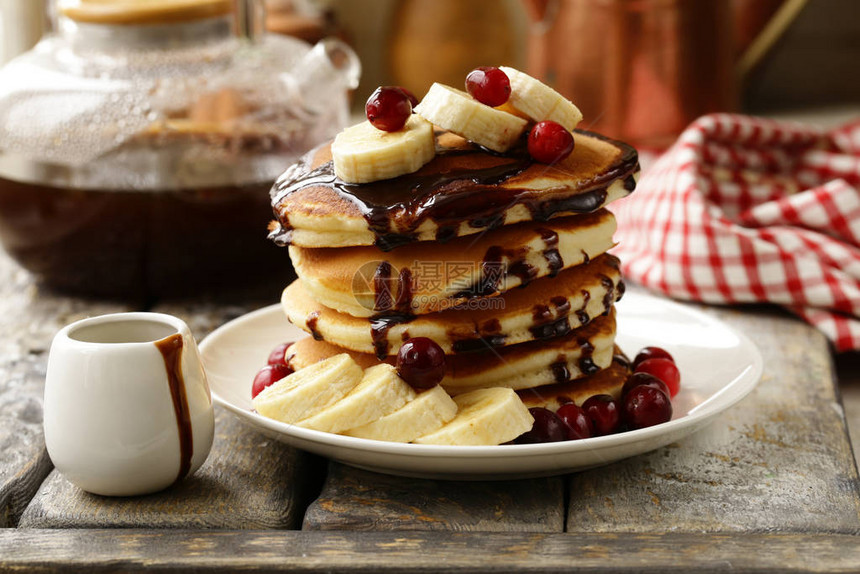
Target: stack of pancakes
<point x="500" y="260"/>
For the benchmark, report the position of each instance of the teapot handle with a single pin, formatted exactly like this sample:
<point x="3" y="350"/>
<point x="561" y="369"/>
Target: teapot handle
<point x="330" y="65"/>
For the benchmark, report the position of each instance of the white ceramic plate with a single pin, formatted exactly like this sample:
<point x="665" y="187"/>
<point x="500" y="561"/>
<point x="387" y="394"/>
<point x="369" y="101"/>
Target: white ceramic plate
<point x="719" y="366"/>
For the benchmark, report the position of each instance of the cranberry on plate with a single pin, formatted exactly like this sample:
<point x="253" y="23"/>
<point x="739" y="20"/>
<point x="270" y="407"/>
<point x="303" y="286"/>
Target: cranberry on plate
<point x="651" y="353"/>
<point x="278" y="356"/>
<point x="548" y="427"/>
<point x="645" y="406"/>
<point x="267" y="376"/>
<point x="604" y="413"/>
<point x="576" y="422"/>
<point x="421" y="363"/>
<point x="663" y="369"/>
<point x="648" y="380"/>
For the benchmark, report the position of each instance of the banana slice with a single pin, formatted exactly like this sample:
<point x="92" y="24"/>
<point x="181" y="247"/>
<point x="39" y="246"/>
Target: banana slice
<point x="362" y="153"/>
<point x="380" y="392"/>
<point x="485" y="417"/>
<point x="310" y="390"/>
<point x="538" y="102"/>
<point x="458" y="112"/>
<point x="426" y="413"/>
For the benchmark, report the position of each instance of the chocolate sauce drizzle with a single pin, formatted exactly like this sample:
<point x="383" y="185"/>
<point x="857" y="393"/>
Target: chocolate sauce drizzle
<point x="492" y="271"/>
<point x="459" y="185"/>
<point x="559" y="370"/>
<point x="586" y="362"/>
<point x="405" y="288"/>
<point x="609" y="296"/>
<point x="581" y="314"/>
<point x="622" y="360"/>
<point x="171" y="350"/>
<point x="553" y="258"/>
<point x="311" y="321"/>
<point x="379" y="327"/>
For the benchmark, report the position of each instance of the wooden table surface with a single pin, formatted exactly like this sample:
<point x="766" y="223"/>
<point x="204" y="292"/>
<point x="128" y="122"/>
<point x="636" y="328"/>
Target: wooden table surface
<point x="771" y="486"/>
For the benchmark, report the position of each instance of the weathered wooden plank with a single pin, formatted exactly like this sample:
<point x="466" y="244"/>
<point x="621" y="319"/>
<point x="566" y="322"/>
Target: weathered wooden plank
<point x="778" y="461"/>
<point x="248" y="482"/>
<point x="354" y="499"/>
<point x="424" y="552"/>
<point x="29" y="317"/>
<point x="848" y="375"/>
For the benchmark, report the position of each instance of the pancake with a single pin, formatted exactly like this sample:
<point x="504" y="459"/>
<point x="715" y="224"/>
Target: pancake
<point x="427" y="277"/>
<point x="464" y="190"/>
<point x="546" y="308"/>
<point x="581" y="353"/>
<point x="608" y="381"/>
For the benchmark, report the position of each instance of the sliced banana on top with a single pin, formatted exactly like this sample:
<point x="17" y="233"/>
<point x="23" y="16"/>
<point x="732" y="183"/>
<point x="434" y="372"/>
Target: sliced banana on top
<point x="310" y="390"/>
<point x="485" y="417"/>
<point x="380" y="392"/>
<point x="538" y="102"/>
<point x="426" y="413"/>
<point x="362" y="153"/>
<point x="457" y="112"/>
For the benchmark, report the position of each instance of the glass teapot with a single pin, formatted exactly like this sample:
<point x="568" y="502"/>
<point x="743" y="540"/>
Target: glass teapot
<point x="138" y="144"/>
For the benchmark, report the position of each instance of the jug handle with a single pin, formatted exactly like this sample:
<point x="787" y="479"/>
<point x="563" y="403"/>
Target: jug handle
<point x="329" y="64"/>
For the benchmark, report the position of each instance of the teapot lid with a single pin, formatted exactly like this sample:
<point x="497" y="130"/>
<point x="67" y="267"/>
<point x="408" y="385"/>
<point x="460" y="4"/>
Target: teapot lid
<point x="142" y="11"/>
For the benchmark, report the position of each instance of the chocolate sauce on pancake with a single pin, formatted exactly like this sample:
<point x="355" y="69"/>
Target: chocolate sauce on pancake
<point x="557" y="328"/>
<point x="478" y="344"/>
<point x="458" y="186"/>
<point x="551" y="254"/>
<point x="311" y="322"/>
<point x="492" y="270"/>
<point x="560" y="371"/>
<point x="383" y="296"/>
<point x="620" y="289"/>
<point x="561" y="304"/>
<point x="609" y="296"/>
<point x="379" y="327"/>
<point x="586" y="363"/>
<point x="403" y="304"/>
<point x="581" y="313"/>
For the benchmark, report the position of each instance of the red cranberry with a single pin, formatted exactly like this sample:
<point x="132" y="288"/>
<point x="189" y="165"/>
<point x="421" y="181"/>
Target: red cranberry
<point x="646" y="406"/>
<point x="489" y="85"/>
<point x="388" y="108"/>
<point x="643" y="379"/>
<point x="665" y="370"/>
<point x="421" y="363"/>
<point x="604" y="414"/>
<point x="267" y="376"/>
<point x="651" y="353"/>
<point x="546" y="428"/>
<point x="409" y="95"/>
<point x="549" y="142"/>
<point x="278" y="355"/>
<point x="576" y="422"/>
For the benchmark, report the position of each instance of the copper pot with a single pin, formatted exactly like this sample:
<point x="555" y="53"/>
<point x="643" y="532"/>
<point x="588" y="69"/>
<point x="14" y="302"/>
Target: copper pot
<point x="640" y="70"/>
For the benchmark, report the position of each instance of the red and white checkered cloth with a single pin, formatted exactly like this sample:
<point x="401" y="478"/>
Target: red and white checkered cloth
<point x="744" y="209"/>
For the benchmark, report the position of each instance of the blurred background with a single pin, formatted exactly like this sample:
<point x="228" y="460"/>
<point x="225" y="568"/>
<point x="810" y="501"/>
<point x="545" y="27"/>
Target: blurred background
<point x="640" y="69"/>
<point x="192" y="111"/>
